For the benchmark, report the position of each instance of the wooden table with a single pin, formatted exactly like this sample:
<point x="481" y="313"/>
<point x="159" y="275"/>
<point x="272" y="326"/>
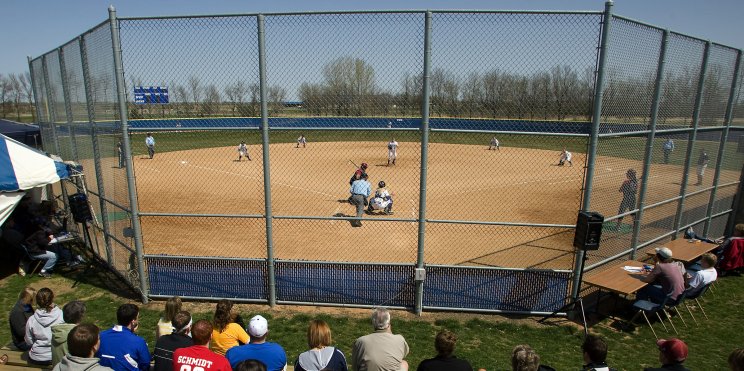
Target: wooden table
<point x="686" y="251"/>
<point x="616" y="279"/>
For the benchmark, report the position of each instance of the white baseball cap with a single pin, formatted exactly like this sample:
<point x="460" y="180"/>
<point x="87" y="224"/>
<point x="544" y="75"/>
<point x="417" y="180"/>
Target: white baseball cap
<point x="258" y="326"/>
<point x="664" y="252"/>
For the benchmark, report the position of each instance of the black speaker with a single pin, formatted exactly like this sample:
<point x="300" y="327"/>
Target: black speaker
<point x="588" y="230"/>
<point x="80" y="208"/>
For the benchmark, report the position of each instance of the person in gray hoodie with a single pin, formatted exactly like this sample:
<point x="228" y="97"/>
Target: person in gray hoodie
<point x="82" y="344"/>
<point x="321" y="356"/>
<point x="72" y="313"/>
<point x="39" y="327"/>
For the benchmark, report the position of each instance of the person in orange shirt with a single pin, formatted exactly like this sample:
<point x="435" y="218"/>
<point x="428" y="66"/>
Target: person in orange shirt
<point x="227" y="331"/>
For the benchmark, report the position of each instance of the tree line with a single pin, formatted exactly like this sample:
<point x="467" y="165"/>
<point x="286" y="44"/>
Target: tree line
<point x="16" y="97"/>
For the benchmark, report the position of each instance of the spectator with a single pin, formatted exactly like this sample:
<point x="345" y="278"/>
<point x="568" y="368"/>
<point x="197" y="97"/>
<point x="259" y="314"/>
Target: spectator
<point x="380" y="350"/>
<point x="704" y="276"/>
<point x="731" y="252"/>
<point x="72" y="313"/>
<point x="82" y="344"/>
<point x="321" y="356"/>
<point x="672" y="355"/>
<point x="172" y="306"/>
<point x="271" y="354"/>
<point x="524" y="358"/>
<point x="37" y="245"/>
<point x="667" y="274"/>
<point x="19" y="316"/>
<point x="595" y="354"/>
<point x="736" y="360"/>
<point x="121" y="349"/>
<point x="39" y="328"/>
<point x="199" y="353"/>
<point x="445" y="360"/>
<point x="227" y="333"/>
<point x="250" y="365"/>
<point x="167" y="344"/>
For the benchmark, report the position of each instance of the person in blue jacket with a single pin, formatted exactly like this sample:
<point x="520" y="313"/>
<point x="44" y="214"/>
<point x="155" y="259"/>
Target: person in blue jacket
<point x="121" y="349"/>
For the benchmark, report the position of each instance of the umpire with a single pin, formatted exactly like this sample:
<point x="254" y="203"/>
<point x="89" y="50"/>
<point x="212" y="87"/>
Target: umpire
<point x="360" y="190"/>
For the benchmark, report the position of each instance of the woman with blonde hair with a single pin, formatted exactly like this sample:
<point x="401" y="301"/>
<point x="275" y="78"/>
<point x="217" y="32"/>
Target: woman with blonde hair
<point x="321" y="356"/>
<point x="19" y="315"/>
<point x="227" y="332"/>
<point x="165" y="325"/>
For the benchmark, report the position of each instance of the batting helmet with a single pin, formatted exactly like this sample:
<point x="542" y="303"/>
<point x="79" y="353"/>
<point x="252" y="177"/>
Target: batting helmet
<point x="381" y="184"/>
<point x="364" y="165"/>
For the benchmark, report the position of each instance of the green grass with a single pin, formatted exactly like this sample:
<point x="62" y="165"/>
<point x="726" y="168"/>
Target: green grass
<point x="485" y="340"/>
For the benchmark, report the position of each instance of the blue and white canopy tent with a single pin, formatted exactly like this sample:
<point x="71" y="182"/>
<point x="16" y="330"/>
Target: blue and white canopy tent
<point x="23" y="168"/>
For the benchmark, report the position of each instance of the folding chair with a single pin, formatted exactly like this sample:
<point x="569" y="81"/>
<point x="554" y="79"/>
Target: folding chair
<point x="673" y="304"/>
<point x="32" y="259"/>
<point x="694" y="295"/>
<point x="646" y="306"/>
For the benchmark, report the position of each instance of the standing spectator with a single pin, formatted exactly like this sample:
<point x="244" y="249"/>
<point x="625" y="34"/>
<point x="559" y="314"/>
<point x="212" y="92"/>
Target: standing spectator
<point x="672" y="355"/>
<point x="167" y="344"/>
<point x="321" y="356"/>
<point x="524" y="358"/>
<point x="629" y="188"/>
<point x="19" y="316"/>
<point x="39" y="328"/>
<point x="736" y="360"/>
<point x="595" y="354"/>
<point x="120" y="154"/>
<point x="271" y="354"/>
<point x="445" y="360"/>
<point x="165" y="327"/>
<point x="360" y="190"/>
<point x="83" y="342"/>
<point x="72" y="313"/>
<point x="150" y="143"/>
<point x="666" y="277"/>
<point x="706" y="275"/>
<point x="702" y="164"/>
<point x="668" y="148"/>
<point x="121" y="349"/>
<point x="199" y="353"/>
<point x="380" y="350"/>
<point x="227" y="333"/>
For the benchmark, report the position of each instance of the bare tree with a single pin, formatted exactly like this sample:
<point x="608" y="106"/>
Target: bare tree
<point x="211" y="101"/>
<point x="28" y="93"/>
<point x="350" y="82"/>
<point x="195" y="90"/>
<point x="276" y="96"/>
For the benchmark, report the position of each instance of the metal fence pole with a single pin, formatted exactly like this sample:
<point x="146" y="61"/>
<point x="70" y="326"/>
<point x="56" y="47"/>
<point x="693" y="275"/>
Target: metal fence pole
<point x="33" y="82"/>
<point x="68" y="105"/>
<point x="594" y="138"/>
<point x="647" y="157"/>
<point x="132" y="188"/>
<point x="424" y="160"/>
<point x="52" y="116"/>
<point x="724" y="139"/>
<point x="266" y="166"/>
<point x="96" y="150"/>
<point x="691" y="140"/>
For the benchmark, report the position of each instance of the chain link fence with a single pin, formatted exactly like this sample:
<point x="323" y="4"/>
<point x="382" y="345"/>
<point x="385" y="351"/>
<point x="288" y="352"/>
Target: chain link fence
<point x="479" y="126"/>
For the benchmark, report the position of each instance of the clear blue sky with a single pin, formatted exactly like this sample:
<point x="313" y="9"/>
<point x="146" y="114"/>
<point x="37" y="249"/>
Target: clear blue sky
<point x="35" y="27"/>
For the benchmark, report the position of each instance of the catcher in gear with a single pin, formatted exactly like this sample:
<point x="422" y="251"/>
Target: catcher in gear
<point x="382" y="200"/>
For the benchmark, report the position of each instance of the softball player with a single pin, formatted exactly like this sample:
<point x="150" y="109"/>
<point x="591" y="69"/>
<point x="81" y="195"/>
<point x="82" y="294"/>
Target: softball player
<point x="243" y="151"/>
<point x="494" y="144"/>
<point x="301" y="140"/>
<point x="392" y="151"/>
<point x="565" y="157"/>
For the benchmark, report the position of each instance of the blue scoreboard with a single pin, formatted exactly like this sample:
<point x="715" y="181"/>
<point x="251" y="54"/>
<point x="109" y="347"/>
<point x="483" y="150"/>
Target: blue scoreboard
<point x="150" y="95"/>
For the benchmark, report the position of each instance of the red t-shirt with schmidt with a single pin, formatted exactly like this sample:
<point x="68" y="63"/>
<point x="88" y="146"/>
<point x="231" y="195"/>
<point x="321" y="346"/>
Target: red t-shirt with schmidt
<point x="199" y="358"/>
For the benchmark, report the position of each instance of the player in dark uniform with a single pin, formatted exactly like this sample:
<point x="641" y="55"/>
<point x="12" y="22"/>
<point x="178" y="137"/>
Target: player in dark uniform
<point x="629" y="188"/>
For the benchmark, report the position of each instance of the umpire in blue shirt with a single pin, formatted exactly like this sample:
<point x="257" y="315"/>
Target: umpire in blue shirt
<point x="360" y="190"/>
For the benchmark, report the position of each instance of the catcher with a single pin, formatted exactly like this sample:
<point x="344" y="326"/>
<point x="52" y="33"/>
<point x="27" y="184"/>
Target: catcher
<point x="382" y="200"/>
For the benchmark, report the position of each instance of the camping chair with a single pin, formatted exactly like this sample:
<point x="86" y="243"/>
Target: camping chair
<point x="646" y="306"/>
<point x="32" y="259"/>
<point x="694" y="295"/>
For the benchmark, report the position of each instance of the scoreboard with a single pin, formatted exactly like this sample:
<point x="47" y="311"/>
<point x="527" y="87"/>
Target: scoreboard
<point x="150" y="95"/>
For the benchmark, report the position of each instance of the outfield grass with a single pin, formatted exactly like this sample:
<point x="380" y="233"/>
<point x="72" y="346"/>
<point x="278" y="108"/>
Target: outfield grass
<point x="485" y="340"/>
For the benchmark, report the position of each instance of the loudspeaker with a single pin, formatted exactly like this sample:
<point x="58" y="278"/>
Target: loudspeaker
<point x="80" y="208"/>
<point x="588" y="230"/>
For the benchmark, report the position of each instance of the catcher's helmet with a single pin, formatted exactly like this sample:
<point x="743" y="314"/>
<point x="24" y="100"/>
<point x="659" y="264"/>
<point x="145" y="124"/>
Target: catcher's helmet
<point x="381" y="184"/>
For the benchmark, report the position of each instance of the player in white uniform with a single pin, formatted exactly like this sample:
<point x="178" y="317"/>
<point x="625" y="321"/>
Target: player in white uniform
<point x="382" y="200"/>
<point x="301" y="140"/>
<point x="243" y="151"/>
<point x="494" y="144"/>
<point x="565" y="157"/>
<point x="392" y="151"/>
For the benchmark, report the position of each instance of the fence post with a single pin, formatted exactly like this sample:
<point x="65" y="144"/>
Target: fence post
<point x="424" y="160"/>
<point x="96" y="150"/>
<point x="68" y="106"/>
<point x="52" y="120"/>
<point x="33" y="89"/>
<point x="722" y="146"/>
<point x="691" y="140"/>
<point x="132" y="188"/>
<point x="594" y="138"/>
<point x="647" y="157"/>
<point x="266" y="166"/>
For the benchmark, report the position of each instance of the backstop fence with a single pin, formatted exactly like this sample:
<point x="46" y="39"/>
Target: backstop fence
<point x="463" y="114"/>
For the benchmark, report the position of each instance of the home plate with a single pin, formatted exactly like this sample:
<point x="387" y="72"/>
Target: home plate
<point x="184" y="162"/>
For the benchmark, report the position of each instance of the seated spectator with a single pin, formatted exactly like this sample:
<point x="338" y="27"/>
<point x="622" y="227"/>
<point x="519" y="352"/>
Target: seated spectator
<point x="665" y="278"/>
<point x="731" y="252"/>
<point x="445" y="360"/>
<point x="82" y="344"/>
<point x="120" y="348"/>
<point x="72" y="314"/>
<point x="524" y="358"/>
<point x="165" y="327"/>
<point x="271" y="354"/>
<point x="250" y="365"/>
<point x="672" y="355"/>
<point x="380" y="350"/>
<point x="37" y="245"/>
<point x="321" y="356"/>
<point x="736" y="360"/>
<point x="199" y="353"/>
<point x="595" y="354"/>
<point x="705" y="276"/>
<point x="227" y="332"/>
<point x="39" y="328"/>
<point x="12" y="237"/>
<point x="167" y="344"/>
<point x="19" y="316"/>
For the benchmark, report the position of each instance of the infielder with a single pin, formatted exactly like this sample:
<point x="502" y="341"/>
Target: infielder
<point x="301" y="141"/>
<point x="494" y="144"/>
<point x="702" y="164"/>
<point x="392" y="151"/>
<point x="150" y="143"/>
<point x="243" y="151"/>
<point x="565" y="157"/>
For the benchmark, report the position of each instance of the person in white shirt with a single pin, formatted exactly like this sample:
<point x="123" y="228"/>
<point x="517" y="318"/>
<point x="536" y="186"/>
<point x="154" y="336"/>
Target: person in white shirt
<point x="705" y="276"/>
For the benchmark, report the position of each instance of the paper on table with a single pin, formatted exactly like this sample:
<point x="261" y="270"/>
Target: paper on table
<point x="633" y="269"/>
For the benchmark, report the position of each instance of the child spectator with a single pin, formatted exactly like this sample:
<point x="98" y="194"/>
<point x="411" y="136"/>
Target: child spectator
<point x="172" y="306"/>
<point x="82" y="343"/>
